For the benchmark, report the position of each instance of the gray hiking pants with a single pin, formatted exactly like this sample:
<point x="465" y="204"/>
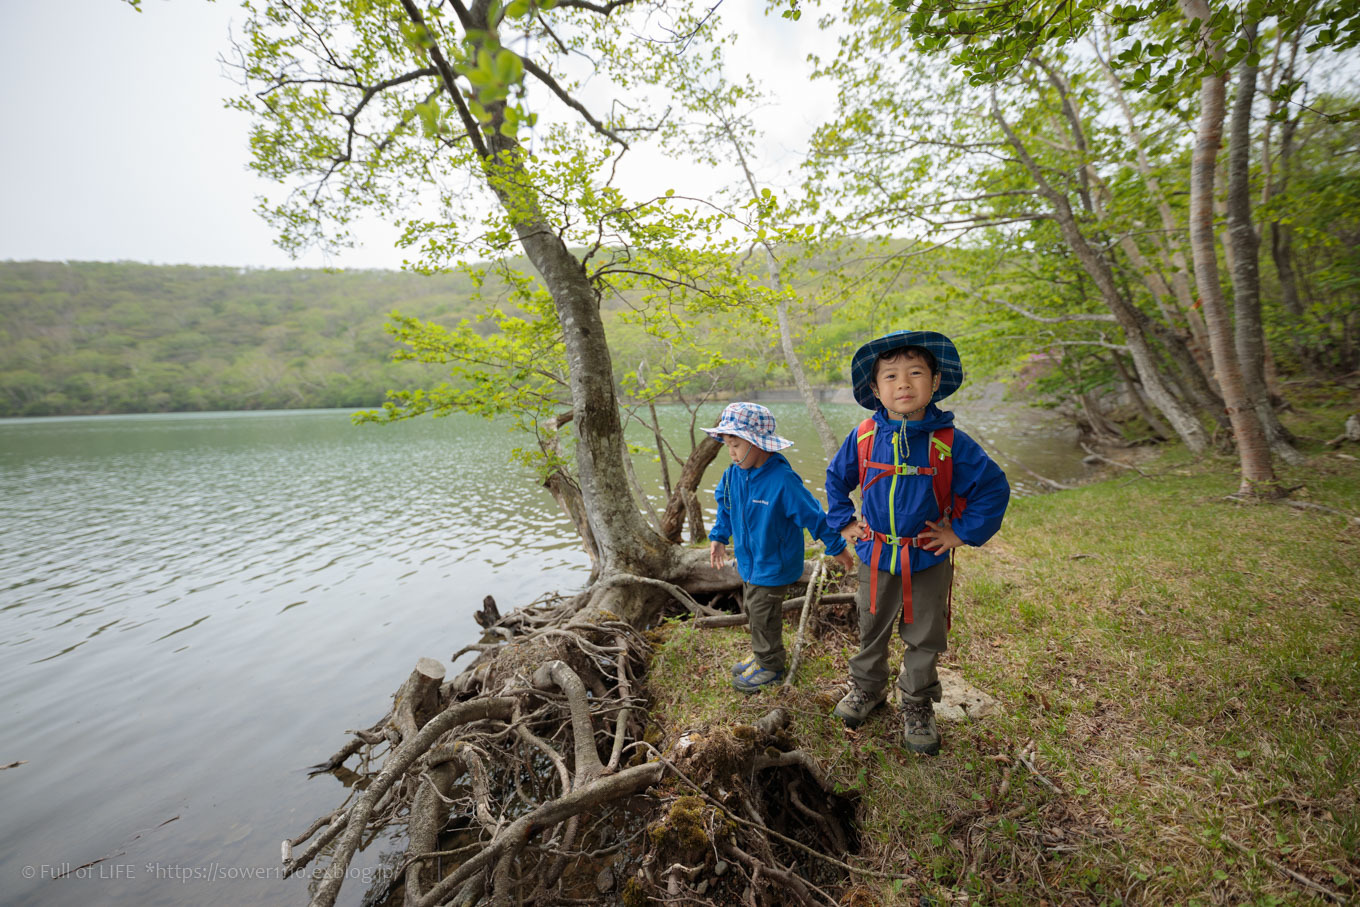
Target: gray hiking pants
<point x="765" y="605"/>
<point x="925" y="636"/>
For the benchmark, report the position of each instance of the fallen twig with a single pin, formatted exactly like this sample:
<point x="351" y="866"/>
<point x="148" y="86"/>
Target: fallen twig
<point x="1027" y="757"/>
<point x="1275" y="864"/>
<point x="792" y="604"/>
<point x="1104" y="459"/>
<point x="814" y="591"/>
<point x="1308" y="505"/>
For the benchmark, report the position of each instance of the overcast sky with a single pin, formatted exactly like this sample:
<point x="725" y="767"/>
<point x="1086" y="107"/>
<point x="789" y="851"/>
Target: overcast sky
<point x="117" y="146"/>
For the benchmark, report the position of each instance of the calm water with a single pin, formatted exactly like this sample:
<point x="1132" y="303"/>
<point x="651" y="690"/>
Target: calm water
<point x="193" y="608"/>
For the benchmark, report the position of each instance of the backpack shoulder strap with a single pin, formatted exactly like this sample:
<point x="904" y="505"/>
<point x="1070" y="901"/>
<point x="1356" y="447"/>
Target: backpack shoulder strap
<point x="864" y="443"/>
<point x="942" y="458"/>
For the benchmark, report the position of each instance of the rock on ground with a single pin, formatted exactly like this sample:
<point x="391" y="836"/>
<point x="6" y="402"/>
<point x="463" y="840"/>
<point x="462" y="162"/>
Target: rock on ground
<point x="963" y="700"/>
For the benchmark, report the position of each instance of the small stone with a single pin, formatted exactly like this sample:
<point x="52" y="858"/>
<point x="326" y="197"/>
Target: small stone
<point x="701" y="888"/>
<point x="961" y="700"/>
<point x="720" y="868"/>
<point x="604" y="882"/>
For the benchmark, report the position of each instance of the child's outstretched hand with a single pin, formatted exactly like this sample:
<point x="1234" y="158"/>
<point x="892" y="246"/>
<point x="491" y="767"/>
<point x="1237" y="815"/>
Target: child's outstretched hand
<point x="855" y="531"/>
<point x="717" y="554"/>
<point x="942" y="534"/>
<point x="845" y="559"/>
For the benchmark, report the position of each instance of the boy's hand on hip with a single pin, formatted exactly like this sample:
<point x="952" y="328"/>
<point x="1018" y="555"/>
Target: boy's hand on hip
<point x="717" y="554"/>
<point x="942" y="535"/>
<point x="845" y="559"/>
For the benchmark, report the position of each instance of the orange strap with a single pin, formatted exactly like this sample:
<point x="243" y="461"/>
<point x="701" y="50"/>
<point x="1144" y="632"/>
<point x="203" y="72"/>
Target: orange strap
<point x="942" y="473"/>
<point x="907" y="611"/>
<point x="881" y="539"/>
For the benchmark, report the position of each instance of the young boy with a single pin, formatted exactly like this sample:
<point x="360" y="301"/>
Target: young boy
<point x="764" y="506"/>
<point x="926" y="488"/>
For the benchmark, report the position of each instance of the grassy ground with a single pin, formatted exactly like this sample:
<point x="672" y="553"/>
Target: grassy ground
<point x="1184" y="670"/>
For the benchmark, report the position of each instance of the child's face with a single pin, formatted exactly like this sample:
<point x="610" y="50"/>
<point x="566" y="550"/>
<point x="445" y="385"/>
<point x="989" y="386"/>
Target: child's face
<point x="904" y="385"/>
<point x="740" y="450"/>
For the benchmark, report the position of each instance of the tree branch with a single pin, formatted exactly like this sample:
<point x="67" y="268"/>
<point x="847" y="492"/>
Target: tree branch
<point x="447" y="75"/>
<point x="542" y="76"/>
<point x="1055" y="319"/>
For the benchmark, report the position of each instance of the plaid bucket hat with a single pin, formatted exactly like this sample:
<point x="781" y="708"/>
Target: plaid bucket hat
<point x="946" y="359"/>
<point x="751" y="422"/>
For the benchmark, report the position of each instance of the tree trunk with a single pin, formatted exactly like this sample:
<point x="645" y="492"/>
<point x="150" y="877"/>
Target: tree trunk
<point x="566" y="492"/>
<point x="1282" y="233"/>
<point x="1168" y="242"/>
<point x="560" y="683"/>
<point x="1258" y="476"/>
<point x="690" y="475"/>
<point x="1249" y="335"/>
<point x="1135" y="392"/>
<point x="795" y="365"/>
<point x="1182" y="420"/>
<point x="624" y="541"/>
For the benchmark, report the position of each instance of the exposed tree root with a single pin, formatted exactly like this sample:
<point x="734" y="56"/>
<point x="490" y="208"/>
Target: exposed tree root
<point x="526" y="779"/>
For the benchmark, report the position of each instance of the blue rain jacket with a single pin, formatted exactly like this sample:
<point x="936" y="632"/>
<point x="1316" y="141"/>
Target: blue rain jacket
<point x="977" y="479"/>
<point x="766" y="510"/>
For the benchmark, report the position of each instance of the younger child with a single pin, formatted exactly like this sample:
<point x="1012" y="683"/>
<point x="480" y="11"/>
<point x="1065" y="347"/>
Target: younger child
<point x="926" y="488"/>
<point x="764" y="506"/>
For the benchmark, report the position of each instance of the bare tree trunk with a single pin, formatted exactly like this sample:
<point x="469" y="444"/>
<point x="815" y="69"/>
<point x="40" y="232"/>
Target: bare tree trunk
<point x="625" y="544"/>
<point x="690" y="476"/>
<point x="1249" y="336"/>
<point x="1168" y="242"/>
<point x="1276" y="178"/>
<point x="1135" y="392"/>
<point x="1182" y="420"/>
<point x="566" y="492"/>
<point x="660" y="449"/>
<point x="1258" y="476"/>
<point x="776" y="280"/>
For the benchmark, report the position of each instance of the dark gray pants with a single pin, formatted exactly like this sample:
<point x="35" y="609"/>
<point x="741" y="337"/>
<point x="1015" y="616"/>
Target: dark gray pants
<point x="765" y="606"/>
<point x="925" y="636"/>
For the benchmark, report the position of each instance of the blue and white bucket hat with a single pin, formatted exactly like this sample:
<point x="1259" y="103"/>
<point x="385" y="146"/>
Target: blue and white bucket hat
<point x="751" y="422"/>
<point x="946" y="359"/>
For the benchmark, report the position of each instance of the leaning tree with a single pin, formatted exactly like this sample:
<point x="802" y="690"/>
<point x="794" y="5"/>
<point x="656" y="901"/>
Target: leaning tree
<point x="512" y="777"/>
<point x="1163" y="44"/>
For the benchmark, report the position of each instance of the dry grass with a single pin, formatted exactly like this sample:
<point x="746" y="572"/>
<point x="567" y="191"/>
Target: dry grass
<point x="1185" y="672"/>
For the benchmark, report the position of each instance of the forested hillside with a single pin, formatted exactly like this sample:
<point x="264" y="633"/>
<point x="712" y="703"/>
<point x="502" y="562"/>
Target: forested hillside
<point x="85" y="337"/>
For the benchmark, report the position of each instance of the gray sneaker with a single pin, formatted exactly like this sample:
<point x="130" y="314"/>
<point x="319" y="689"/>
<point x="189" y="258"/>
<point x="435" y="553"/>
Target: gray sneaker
<point x="918" y="727"/>
<point x="856" y="705"/>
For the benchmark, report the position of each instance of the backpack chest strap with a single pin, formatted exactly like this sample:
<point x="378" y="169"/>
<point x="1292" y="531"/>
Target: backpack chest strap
<point x="902" y="469"/>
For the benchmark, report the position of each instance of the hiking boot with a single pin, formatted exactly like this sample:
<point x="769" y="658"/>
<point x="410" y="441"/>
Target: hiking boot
<point x="755" y="678"/>
<point x="856" y="705"/>
<point x="918" y="727"/>
<point x="742" y="666"/>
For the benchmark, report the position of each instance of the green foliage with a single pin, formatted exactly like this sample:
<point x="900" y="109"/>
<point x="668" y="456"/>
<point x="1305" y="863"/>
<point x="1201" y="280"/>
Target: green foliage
<point x="992" y="40"/>
<point x="107" y="338"/>
<point x="919" y="150"/>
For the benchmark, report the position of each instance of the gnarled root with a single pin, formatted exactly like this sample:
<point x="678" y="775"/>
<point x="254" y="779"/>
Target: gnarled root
<point x="525" y="780"/>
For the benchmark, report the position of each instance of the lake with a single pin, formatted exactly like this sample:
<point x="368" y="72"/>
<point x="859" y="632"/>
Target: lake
<point x="196" y="607"/>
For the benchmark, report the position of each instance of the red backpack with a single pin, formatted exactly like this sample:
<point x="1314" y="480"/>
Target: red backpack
<point x="941" y="473"/>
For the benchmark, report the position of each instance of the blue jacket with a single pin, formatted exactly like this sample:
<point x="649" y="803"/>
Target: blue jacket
<point x="976" y="479"/>
<point x="766" y="510"/>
